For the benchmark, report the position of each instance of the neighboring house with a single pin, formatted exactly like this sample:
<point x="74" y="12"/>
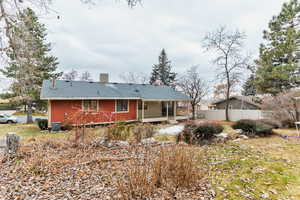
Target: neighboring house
<point x="111" y="102"/>
<point x="239" y="103"/>
<point x="205" y="105"/>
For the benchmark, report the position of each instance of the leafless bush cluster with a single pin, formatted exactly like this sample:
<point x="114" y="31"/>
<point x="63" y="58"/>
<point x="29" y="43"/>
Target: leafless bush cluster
<point x="285" y="107"/>
<point x="134" y="132"/>
<point x="170" y="169"/>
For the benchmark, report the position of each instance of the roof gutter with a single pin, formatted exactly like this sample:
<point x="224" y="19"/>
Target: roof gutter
<point x="112" y="98"/>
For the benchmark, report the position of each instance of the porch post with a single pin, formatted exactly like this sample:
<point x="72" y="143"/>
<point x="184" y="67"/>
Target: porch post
<point x="188" y="110"/>
<point x="167" y="110"/>
<point x="175" y="109"/>
<point x="143" y="112"/>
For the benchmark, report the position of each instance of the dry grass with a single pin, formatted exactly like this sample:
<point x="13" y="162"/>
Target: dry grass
<point x="172" y="169"/>
<point x="129" y="132"/>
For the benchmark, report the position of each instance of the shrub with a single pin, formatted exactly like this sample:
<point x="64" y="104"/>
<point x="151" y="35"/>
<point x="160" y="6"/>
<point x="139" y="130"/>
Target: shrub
<point x="275" y="124"/>
<point x="142" y="131"/>
<point x="254" y="127"/>
<point x="246" y="125"/>
<point x="124" y="131"/>
<point x="288" y="123"/>
<point x="172" y="168"/>
<point x="42" y="124"/>
<point x="263" y="129"/>
<point x="195" y="134"/>
<point x="119" y="131"/>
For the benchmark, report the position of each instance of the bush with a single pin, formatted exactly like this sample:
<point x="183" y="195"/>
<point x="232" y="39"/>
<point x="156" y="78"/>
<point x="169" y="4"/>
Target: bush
<point x="124" y="131"/>
<point x="254" y="127"/>
<point x="171" y="168"/>
<point x="195" y="134"/>
<point x="275" y="124"/>
<point x="42" y="124"/>
<point x="288" y="123"/>
<point x="142" y="131"/>
<point x="119" y="131"/>
<point x="246" y="125"/>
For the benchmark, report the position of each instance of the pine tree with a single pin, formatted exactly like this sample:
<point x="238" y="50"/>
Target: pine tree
<point x="162" y="71"/>
<point x="277" y="68"/>
<point x="249" y="88"/>
<point x="30" y="62"/>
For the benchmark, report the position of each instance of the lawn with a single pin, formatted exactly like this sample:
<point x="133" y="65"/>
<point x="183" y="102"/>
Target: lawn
<point x="23" y="130"/>
<point x="27" y="131"/>
<point x="256" y="168"/>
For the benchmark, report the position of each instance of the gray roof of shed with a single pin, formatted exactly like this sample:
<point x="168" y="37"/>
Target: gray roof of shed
<point x="97" y="90"/>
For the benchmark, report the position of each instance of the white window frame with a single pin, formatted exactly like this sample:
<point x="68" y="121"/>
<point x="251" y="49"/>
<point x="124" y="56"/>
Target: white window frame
<point x="89" y="110"/>
<point x="116" y="103"/>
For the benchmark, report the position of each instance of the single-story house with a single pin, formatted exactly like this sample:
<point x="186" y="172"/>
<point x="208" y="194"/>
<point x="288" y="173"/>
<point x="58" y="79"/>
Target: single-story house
<point x="239" y="103"/>
<point x="107" y="102"/>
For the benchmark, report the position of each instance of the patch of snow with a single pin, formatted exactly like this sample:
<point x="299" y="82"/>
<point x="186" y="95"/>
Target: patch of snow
<point x="223" y="135"/>
<point x="173" y="130"/>
<point x="244" y="137"/>
<point x="239" y="131"/>
<point x="148" y="141"/>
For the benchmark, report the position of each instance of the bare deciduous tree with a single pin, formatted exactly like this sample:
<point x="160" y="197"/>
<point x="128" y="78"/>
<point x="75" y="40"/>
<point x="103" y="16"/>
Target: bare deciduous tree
<point x="134" y="77"/>
<point x="10" y="13"/>
<point x="70" y="76"/>
<point x="86" y="76"/>
<point x="220" y="90"/>
<point x="285" y="106"/>
<point x="193" y="85"/>
<point x="231" y="63"/>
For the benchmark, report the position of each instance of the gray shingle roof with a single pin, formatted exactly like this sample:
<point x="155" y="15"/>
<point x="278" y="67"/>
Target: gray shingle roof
<point x="249" y="99"/>
<point x="97" y="90"/>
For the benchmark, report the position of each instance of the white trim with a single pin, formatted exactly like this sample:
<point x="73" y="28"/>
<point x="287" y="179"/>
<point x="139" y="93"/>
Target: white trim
<point x="112" y="98"/>
<point x="143" y="110"/>
<point x="166" y="99"/>
<point x="128" y="106"/>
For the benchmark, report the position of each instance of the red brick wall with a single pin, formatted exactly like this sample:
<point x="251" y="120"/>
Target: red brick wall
<point x="66" y="110"/>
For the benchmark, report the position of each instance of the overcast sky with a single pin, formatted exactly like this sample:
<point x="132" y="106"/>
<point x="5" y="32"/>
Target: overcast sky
<point x="112" y="38"/>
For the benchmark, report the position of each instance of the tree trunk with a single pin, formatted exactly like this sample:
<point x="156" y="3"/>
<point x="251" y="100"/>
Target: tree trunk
<point x="227" y="101"/>
<point x="194" y="111"/>
<point x="29" y="113"/>
<point x="297" y="114"/>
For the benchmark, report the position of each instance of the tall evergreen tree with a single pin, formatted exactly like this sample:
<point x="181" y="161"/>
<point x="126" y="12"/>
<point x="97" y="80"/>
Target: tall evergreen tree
<point x="30" y="62"/>
<point x="277" y="68"/>
<point x="249" y="88"/>
<point x="162" y="71"/>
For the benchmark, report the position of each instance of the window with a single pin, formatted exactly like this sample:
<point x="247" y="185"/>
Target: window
<point x="122" y="106"/>
<point x="90" y="105"/>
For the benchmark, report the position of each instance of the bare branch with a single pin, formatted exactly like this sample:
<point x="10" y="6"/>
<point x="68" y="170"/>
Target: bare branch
<point x="194" y="86"/>
<point x="231" y="63"/>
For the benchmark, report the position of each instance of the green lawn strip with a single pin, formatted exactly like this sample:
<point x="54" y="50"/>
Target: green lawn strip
<point x="245" y="174"/>
<point x="21" y="113"/>
<point x="25" y="131"/>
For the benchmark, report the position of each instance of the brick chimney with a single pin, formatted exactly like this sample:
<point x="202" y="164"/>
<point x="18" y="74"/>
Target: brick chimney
<point x="104" y="78"/>
<point x="53" y="83"/>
